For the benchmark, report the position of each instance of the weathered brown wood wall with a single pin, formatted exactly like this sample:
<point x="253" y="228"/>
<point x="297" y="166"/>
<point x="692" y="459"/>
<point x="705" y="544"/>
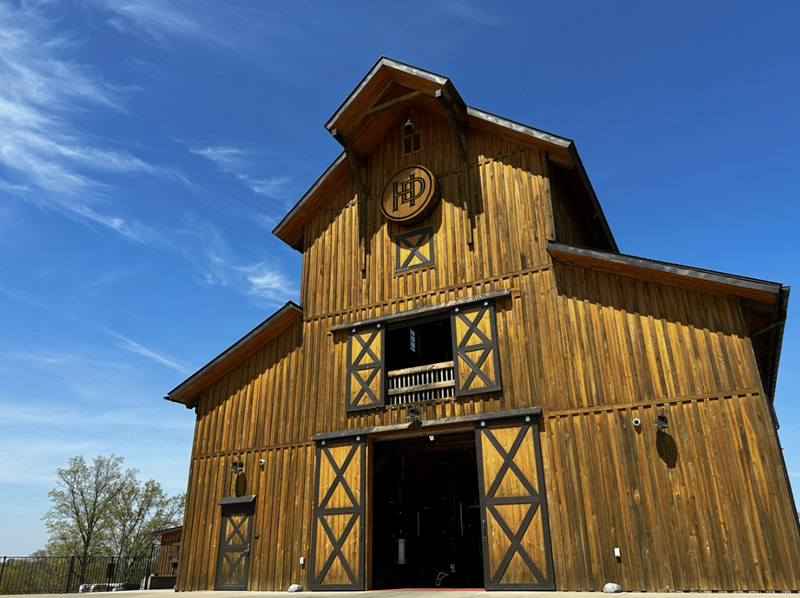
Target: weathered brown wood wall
<point x="594" y="349"/>
<point x="509" y="198"/>
<point x="695" y="509"/>
<point x="252" y="412"/>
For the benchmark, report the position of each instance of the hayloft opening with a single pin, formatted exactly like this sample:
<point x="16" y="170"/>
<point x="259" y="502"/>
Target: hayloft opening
<point x="419" y="342"/>
<point x="419" y="360"/>
<point x="426" y="530"/>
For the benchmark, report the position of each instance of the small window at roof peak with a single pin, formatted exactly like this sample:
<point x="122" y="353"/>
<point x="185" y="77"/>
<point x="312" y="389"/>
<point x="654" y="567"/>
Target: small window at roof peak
<point x="411" y="143"/>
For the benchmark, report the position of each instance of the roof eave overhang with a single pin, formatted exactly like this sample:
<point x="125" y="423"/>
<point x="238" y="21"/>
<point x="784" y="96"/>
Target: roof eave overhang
<point x="385" y="63"/>
<point x="168" y="530"/>
<point x="560" y="144"/>
<point x="598" y="210"/>
<point x="289" y="229"/>
<point x="186" y="392"/>
<point x="559" y="149"/>
<point x="665" y="272"/>
<point x="779" y="318"/>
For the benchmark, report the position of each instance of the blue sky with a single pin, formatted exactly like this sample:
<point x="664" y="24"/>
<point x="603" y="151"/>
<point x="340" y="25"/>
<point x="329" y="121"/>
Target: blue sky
<point x="148" y="148"/>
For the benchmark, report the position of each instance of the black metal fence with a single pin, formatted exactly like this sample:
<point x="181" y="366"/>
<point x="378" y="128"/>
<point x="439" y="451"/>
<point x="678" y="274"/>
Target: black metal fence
<point x="53" y="574"/>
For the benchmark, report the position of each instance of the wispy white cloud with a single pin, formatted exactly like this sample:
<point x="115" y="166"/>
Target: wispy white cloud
<point x="267" y="283"/>
<point x="43" y="358"/>
<point x="134" y="347"/>
<point x="260" y="219"/>
<point x="157" y="19"/>
<point x="206" y="247"/>
<point x="230" y="25"/>
<point x="51" y="360"/>
<point x="238" y="162"/>
<point x="51" y="162"/>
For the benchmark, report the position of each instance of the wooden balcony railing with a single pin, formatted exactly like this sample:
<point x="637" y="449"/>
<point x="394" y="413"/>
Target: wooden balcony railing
<point x="421" y="383"/>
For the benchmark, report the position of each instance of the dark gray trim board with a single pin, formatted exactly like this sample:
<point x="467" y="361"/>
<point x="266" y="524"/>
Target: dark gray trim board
<point x="428" y="424"/>
<point x="238" y="500"/>
<point x="413" y="313"/>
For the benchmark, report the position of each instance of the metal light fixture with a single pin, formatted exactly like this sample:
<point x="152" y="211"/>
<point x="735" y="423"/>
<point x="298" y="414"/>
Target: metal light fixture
<point x="661" y="422"/>
<point x="413" y="414"/>
<point x="408" y="128"/>
<point x="237" y="465"/>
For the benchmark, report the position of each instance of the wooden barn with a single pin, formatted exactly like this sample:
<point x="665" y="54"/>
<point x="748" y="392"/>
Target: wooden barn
<point x="479" y="390"/>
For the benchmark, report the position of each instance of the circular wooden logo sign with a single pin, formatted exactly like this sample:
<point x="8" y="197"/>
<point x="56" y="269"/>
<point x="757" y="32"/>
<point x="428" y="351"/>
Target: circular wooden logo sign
<point x="410" y="195"/>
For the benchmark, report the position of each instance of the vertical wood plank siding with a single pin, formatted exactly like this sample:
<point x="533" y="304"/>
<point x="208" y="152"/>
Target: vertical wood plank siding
<point x="690" y="509"/>
<point x="509" y="197"/>
<point x="703" y="506"/>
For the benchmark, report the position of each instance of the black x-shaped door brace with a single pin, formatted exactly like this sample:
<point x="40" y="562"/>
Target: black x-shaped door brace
<point x="486" y="349"/>
<point x="322" y="511"/>
<point x="406" y="241"/>
<point x="234" y="550"/>
<point x="530" y="497"/>
<point x="239" y="578"/>
<point x="373" y="368"/>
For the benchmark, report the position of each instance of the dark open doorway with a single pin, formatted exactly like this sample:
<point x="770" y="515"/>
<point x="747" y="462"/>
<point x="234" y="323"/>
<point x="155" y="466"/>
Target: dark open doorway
<point x="426" y="529"/>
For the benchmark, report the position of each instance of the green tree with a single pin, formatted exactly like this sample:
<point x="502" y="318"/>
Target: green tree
<point x="78" y="519"/>
<point x="138" y="510"/>
<point x="99" y="509"/>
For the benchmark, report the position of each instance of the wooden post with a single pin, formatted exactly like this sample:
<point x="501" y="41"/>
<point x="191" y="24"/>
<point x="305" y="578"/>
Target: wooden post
<point x="358" y="166"/>
<point x="457" y="128"/>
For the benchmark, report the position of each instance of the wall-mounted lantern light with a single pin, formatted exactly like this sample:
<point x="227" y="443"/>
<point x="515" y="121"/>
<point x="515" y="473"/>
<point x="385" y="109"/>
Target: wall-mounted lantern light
<point x="661" y="422"/>
<point x="237" y="465"/>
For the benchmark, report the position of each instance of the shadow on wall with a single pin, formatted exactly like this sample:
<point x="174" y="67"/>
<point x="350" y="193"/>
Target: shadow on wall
<point x="667" y="449"/>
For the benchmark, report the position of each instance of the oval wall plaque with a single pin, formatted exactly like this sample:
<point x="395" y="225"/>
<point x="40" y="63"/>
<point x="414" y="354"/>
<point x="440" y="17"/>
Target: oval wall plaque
<point x="410" y="195"/>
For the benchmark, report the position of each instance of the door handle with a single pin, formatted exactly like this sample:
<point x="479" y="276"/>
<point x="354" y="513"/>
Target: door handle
<point x="246" y="550"/>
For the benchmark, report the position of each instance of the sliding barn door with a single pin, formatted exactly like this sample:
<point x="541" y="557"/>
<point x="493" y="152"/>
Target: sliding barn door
<point x="516" y="541"/>
<point x="365" y="368"/>
<point x="477" y="369"/>
<point x="337" y="557"/>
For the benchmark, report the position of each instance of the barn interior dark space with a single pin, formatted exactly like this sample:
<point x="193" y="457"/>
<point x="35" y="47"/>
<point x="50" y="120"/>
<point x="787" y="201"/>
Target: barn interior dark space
<point x="426" y="514"/>
<point x="420" y="342"/>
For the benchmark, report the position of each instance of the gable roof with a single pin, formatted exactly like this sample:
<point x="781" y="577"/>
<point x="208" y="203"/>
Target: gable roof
<point x="387" y="86"/>
<point x="187" y="390"/>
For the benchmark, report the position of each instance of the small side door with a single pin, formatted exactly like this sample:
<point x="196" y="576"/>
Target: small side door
<point x="233" y="559"/>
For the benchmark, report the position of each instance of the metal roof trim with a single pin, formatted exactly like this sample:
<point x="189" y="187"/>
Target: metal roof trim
<point x="307" y="195"/>
<point x="383" y="61"/>
<point x="519" y="128"/>
<point x="752" y="284"/>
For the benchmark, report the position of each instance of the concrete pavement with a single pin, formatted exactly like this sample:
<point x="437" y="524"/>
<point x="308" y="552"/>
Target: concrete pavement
<point x="410" y="593"/>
